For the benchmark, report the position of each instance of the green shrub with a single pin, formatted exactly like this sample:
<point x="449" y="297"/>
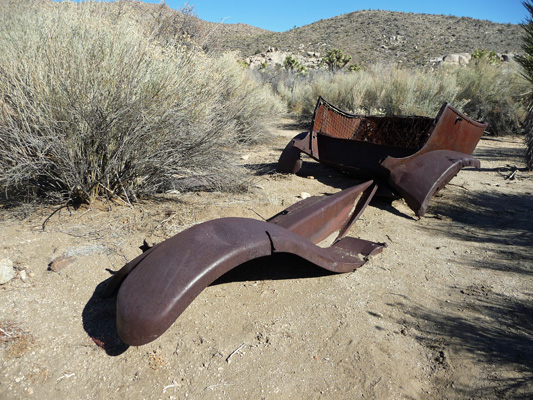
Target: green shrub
<point x="89" y="106"/>
<point x="486" y="55"/>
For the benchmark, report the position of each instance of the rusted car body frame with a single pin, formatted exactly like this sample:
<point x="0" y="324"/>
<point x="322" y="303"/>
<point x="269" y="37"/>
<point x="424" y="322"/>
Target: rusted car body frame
<point x="412" y="156"/>
<point x="156" y="287"/>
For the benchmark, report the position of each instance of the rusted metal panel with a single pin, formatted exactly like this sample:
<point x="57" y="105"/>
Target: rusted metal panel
<point x="410" y="132"/>
<point x="316" y="218"/>
<point x="453" y="131"/>
<point x="156" y="287"/>
<point x="421" y="177"/>
<point x="375" y="147"/>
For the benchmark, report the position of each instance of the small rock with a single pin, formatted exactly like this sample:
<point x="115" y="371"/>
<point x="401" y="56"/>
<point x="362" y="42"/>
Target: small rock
<point x="245" y="157"/>
<point x="59" y="263"/>
<point x="31" y="274"/>
<point x="305" y="195"/>
<point x="23" y="275"/>
<point x="6" y="270"/>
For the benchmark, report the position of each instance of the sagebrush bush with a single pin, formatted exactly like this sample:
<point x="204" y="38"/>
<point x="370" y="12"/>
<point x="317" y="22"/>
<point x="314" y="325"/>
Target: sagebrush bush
<point x="250" y="105"/>
<point x="493" y="92"/>
<point x="90" y="106"/>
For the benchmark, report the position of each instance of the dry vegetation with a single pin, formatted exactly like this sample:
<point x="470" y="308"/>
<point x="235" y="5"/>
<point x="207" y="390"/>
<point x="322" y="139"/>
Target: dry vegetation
<point x="93" y="105"/>
<point x="485" y="91"/>
<point x="128" y="99"/>
<point x="16" y="340"/>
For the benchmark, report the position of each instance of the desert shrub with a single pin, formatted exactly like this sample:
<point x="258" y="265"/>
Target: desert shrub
<point x="414" y="92"/>
<point x="251" y="106"/>
<point x="354" y="67"/>
<point x="89" y="106"/>
<point x="492" y="92"/>
<point x="292" y="64"/>
<point x="486" y="55"/>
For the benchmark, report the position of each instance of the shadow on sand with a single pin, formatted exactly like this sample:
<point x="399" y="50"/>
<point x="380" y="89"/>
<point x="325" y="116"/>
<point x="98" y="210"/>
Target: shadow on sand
<point x="99" y="315"/>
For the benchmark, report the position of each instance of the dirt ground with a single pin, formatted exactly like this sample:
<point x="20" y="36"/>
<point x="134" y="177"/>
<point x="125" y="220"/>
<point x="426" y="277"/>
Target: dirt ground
<point x="446" y="311"/>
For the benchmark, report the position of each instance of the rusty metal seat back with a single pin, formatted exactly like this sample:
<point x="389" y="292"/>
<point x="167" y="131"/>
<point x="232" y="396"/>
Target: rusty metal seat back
<point x="376" y="147"/>
<point x="410" y="132"/>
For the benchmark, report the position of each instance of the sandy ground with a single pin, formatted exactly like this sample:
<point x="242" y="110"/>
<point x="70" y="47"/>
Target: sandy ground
<point x="446" y="311"/>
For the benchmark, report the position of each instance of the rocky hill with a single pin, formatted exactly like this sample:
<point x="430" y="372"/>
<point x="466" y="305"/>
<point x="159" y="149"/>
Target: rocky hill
<point x="385" y="36"/>
<point x="369" y="36"/>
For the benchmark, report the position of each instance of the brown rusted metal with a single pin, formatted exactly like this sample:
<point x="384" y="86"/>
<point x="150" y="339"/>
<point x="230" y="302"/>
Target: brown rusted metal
<point x="376" y="147"/>
<point x="157" y="286"/>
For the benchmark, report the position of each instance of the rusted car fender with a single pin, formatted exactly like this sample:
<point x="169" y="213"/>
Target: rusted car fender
<point x="418" y="179"/>
<point x="157" y="286"/>
<point x="290" y="161"/>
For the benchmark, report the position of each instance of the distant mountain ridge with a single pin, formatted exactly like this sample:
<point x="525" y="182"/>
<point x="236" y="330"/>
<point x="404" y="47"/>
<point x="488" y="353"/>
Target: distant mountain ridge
<point x="369" y="36"/>
<point x="384" y="36"/>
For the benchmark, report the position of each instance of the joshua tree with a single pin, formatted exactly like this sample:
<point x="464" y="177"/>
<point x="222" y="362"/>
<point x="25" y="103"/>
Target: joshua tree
<point x="526" y="61"/>
<point x="292" y="64"/>
<point x="336" y="59"/>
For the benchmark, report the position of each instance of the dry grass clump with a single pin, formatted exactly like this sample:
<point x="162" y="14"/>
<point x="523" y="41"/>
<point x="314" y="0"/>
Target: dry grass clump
<point x="16" y="340"/>
<point x="484" y="91"/>
<point x="91" y="106"/>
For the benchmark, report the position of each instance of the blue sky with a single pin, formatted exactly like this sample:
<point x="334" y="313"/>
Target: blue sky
<point x="278" y="15"/>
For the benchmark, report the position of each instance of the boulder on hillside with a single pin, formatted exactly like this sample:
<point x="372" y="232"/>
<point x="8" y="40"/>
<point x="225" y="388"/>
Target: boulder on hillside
<point x="459" y="58"/>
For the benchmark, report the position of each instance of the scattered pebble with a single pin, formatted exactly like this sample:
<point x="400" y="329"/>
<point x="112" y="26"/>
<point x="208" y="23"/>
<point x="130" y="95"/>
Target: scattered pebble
<point x="60" y="263"/>
<point x="305" y="195"/>
<point x="245" y="157"/>
<point x="6" y="270"/>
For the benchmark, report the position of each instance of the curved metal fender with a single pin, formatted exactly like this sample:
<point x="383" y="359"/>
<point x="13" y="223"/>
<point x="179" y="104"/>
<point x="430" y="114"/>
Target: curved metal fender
<point x="420" y="178"/>
<point x="157" y="286"/>
<point x="290" y="160"/>
<point x="162" y="285"/>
